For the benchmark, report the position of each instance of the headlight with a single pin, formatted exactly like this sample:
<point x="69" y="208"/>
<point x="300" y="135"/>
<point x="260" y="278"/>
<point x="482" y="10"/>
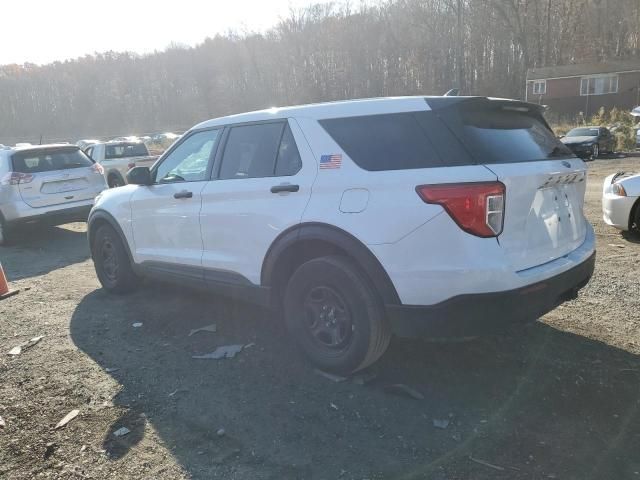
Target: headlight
<point x="618" y="190"/>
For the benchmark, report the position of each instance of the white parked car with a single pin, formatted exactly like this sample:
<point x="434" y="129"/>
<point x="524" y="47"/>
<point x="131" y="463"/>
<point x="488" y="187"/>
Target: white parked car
<point x="438" y="216"/>
<point x="118" y="157"/>
<point x="52" y="184"/>
<point x="621" y="201"/>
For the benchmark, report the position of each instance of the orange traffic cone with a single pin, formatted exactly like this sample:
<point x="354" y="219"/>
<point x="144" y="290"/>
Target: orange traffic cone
<point x="4" y="286"/>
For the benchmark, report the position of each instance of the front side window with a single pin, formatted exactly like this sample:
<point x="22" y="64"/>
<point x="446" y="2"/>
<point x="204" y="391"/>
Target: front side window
<point x="189" y="161"/>
<point x="251" y="151"/>
<point x="599" y="85"/>
<point x="124" y="150"/>
<point x="540" y="87"/>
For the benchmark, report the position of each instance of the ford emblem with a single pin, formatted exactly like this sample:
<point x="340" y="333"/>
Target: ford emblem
<point x="566" y="164"/>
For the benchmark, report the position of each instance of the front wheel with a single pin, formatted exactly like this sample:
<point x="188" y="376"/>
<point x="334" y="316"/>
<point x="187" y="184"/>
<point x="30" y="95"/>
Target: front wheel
<point x="335" y="315"/>
<point x="111" y="261"/>
<point x="6" y="235"/>
<point x="595" y="151"/>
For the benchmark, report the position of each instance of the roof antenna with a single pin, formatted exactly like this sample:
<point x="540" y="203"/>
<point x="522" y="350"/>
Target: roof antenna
<point x="454" y="92"/>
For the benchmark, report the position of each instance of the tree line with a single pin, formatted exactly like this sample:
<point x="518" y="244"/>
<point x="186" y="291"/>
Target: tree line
<point x="320" y="53"/>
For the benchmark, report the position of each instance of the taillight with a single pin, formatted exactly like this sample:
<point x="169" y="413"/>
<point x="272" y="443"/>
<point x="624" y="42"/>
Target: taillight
<point x="477" y="208"/>
<point x="98" y="168"/>
<point x="15" y="178"/>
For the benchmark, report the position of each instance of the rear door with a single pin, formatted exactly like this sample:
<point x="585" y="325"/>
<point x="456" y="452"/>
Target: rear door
<point x="55" y="176"/>
<point x="262" y="186"/>
<point x="545" y="183"/>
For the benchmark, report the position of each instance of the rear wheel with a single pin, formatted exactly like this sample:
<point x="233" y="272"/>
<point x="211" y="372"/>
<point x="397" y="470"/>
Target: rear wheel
<point x="634" y="224"/>
<point x="111" y="261"/>
<point x="335" y="315"/>
<point x="6" y="235"/>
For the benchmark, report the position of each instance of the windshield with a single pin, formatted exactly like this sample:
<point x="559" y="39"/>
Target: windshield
<point x="47" y="160"/>
<point x="583" y="132"/>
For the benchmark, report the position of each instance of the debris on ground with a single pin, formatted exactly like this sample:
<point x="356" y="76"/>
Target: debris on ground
<point x="111" y="370"/>
<point x="136" y="325"/>
<point x="207" y="328"/>
<point x="226" y="351"/>
<point x="486" y="464"/>
<point x="617" y="245"/>
<point x="441" y="423"/>
<point x="2" y="424"/>
<point x="402" y="389"/>
<point x="365" y="378"/>
<point x="68" y="417"/>
<point x="221" y="432"/>
<point x="49" y="449"/>
<point x="83" y="448"/>
<point x="121" y="432"/>
<point x="249" y="345"/>
<point x="178" y="390"/>
<point x="334" y="406"/>
<point x="330" y="376"/>
<point x="23" y="346"/>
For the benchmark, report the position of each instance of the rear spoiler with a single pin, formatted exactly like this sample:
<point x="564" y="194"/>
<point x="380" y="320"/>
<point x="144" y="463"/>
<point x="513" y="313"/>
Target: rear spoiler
<point x="440" y="103"/>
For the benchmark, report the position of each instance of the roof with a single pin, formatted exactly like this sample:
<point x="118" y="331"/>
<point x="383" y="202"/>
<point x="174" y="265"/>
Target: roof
<point x="342" y="108"/>
<point x="580" y="69"/>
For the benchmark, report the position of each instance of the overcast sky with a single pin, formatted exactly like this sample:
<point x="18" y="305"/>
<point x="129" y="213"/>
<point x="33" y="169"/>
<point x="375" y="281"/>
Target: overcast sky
<point x="42" y="31"/>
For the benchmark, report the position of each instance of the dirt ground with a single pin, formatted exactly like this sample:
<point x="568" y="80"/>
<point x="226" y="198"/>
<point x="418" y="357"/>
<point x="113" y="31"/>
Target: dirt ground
<point x="559" y="399"/>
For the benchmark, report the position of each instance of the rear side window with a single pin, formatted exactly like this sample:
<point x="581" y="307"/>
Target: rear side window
<point x="497" y="133"/>
<point x="125" y="150"/>
<point x="251" y="151"/>
<point x="49" y="160"/>
<point x="385" y="142"/>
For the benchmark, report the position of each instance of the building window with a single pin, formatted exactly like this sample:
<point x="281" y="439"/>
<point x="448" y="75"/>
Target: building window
<point x="539" y="87"/>
<point x="599" y="85"/>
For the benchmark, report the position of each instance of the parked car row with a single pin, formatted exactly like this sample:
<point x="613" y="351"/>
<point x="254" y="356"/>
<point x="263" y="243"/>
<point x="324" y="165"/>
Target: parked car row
<point x="590" y="142"/>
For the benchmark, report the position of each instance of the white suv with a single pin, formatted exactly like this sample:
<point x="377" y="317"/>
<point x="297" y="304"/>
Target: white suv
<point x="53" y="184"/>
<point x="439" y="216"/>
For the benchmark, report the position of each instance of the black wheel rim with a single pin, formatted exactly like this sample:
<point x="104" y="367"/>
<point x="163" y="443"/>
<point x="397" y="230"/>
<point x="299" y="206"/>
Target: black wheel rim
<point x="327" y="318"/>
<point x="109" y="260"/>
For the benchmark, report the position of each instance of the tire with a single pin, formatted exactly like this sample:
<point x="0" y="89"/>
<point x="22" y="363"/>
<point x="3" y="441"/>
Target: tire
<point x="595" y="151"/>
<point x="6" y="235"/>
<point x="115" y="181"/>
<point x="335" y="315"/>
<point x="634" y="221"/>
<point x="112" y="263"/>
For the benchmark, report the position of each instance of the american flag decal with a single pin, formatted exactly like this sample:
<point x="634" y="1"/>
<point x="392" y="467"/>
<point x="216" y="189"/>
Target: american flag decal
<point x="330" y="161"/>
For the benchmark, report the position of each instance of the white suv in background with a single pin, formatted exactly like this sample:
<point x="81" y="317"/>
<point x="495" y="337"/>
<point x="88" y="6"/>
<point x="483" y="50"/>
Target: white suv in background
<point x="438" y="216"/>
<point x="53" y="184"/>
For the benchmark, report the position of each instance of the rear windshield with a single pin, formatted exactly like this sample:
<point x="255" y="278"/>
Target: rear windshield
<point x="36" y="161"/>
<point x="583" y="132"/>
<point x="396" y="141"/>
<point x="496" y="132"/>
<point x="123" y="150"/>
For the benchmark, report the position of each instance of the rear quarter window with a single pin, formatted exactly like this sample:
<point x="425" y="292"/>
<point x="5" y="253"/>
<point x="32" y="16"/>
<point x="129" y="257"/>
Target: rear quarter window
<point x="396" y="141"/>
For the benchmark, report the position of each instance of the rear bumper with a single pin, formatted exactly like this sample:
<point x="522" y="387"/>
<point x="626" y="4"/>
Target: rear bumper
<point x="58" y="216"/>
<point x="485" y="313"/>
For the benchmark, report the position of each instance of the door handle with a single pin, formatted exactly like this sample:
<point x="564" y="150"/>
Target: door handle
<point x="183" y="194"/>
<point x="285" y="187"/>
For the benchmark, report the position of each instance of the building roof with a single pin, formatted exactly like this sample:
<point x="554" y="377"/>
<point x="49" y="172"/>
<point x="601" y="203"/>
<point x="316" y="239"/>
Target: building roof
<point x="580" y="69"/>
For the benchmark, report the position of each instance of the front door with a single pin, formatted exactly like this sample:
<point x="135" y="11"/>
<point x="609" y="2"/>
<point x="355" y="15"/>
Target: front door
<point x="165" y="215"/>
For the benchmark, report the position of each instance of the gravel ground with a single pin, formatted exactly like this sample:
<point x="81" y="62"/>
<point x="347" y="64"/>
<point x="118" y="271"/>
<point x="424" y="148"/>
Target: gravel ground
<point x="558" y="399"/>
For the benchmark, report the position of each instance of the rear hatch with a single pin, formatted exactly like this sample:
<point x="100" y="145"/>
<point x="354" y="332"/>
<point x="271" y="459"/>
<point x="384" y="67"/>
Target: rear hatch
<point x="545" y="182"/>
<point x="56" y="175"/>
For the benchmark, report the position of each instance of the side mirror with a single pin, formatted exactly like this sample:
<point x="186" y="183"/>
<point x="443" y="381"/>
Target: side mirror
<point x="139" y="176"/>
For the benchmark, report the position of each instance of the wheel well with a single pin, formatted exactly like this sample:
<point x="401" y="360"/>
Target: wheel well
<point x="313" y="241"/>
